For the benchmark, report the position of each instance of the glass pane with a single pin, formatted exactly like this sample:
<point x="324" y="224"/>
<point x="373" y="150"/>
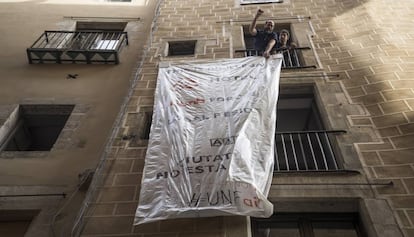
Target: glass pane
<point x="106" y="44"/>
<point x="334" y="229"/>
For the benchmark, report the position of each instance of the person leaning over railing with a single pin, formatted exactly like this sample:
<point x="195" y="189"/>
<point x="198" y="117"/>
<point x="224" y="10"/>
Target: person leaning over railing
<point x="265" y="39"/>
<point x="283" y="42"/>
<point x="287" y="48"/>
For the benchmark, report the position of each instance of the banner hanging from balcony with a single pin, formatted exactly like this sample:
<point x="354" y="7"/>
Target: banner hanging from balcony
<point x="211" y="146"/>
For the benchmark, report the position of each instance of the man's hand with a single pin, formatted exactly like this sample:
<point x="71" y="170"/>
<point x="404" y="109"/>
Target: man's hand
<point x="252" y="27"/>
<point x="259" y="13"/>
<point x="266" y="54"/>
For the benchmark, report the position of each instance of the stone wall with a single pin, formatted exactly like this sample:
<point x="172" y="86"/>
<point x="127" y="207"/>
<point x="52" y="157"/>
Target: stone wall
<point x="368" y="44"/>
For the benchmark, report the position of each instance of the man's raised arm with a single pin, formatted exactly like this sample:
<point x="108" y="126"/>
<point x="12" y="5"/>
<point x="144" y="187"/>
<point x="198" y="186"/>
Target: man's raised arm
<point x="252" y="27"/>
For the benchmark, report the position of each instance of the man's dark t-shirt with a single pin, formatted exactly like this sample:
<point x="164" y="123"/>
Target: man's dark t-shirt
<point x="261" y="39"/>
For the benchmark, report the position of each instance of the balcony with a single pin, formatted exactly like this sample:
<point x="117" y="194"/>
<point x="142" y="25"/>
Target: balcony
<point x="305" y="151"/>
<point x="84" y="47"/>
<point x="292" y="58"/>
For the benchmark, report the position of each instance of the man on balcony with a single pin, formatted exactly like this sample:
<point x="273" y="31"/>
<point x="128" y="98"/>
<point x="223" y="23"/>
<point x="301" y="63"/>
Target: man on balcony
<point x="264" y="39"/>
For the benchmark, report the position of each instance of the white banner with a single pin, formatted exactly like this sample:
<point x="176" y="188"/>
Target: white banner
<point x="211" y="146"/>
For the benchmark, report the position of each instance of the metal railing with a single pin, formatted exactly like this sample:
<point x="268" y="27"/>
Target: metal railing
<point x="77" y="47"/>
<point x="305" y="151"/>
<point x="291" y="56"/>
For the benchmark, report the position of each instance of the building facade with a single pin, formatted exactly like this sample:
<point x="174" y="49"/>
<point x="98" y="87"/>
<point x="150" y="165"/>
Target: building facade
<point x="67" y="68"/>
<point x="344" y="139"/>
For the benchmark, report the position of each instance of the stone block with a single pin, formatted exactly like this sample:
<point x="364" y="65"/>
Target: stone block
<point x="407" y="66"/>
<point x="376" y="87"/>
<point x="100" y="209"/>
<point x="361" y="121"/>
<point x="389" y="132"/>
<point x="126" y="208"/>
<point x="153" y="227"/>
<point x="363" y="62"/>
<point x="146" y="100"/>
<point x="354" y="82"/>
<point x="138" y="165"/>
<point x="409" y="183"/>
<point x="178" y="225"/>
<point x="410" y="116"/>
<point x="117" y="194"/>
<point x="210" y="224"/>
<point x="406" y="75"/>
<point x="405" y="141"/>
<point x="371" y="158"/>
<point x="394" y="107"/>
<point x="398" y="94"/>
<point x="157" y="235"/>
<point x="142" y="84"/>
<point x="374" y="110"/>
<point x="359" y="73"/>
<point x="201" y="234"/>
<point x="408" y="232"/>
<point x="410" y="214"/>
<point x="369" y="99"/>
<point x="389" y="120"/>
<point x="356" y="91"/>
<point x="395" y="157"/>
<point x="386" y="145"/>
<point x="118" y="165"/>
<point x="387" y="231"/>
<point x="403" y="84"/>
<point x="131" y="153"/>
<point x="391" y="76"/>
<point x="385" y="68"/>
<point x="406" y="201"/>
<point x="397" y="171"/>
<point x="340" y="67"/>
<point x="402" y="218"/>
<point x="396" y="188"/>
<point x="127" y="179"/>
<point x="410" y="102"/>
<point x="379" y="212"/>
<point x="108" y="225"/>
<point x="144" y="92"/>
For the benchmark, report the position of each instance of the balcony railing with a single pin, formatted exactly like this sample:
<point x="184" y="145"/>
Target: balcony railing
<point x="291" y="57"/>
<point x="78" y="47"/>
<point x="305" y="151"/>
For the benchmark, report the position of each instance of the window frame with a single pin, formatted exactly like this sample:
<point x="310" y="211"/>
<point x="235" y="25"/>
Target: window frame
<point x="175" y="46"/>
<point x="318" y="152"/>
<point x="20" y="119"/>
<point x="305" y="220"/>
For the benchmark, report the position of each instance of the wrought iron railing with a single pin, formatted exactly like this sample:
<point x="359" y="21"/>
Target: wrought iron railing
<point x="77" y="47"/>
<point x="291" y="56"/>
<point x="305" y="151"/>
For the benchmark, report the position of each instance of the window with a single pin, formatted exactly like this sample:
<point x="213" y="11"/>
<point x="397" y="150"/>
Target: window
<point x="181" y="48"/>
<point x="298" y="55"/>
<point x="16" y="222"/>
<point x="91" y="42"/>
<point x="34" y="127"/>
<point x="99" y="35"/>
<point x="146" y="126"/>
<point x="139" y="126"/>
<point x="302" y="143"/>
<point x="309" y="225"/>
<point x="292" y="57"/>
